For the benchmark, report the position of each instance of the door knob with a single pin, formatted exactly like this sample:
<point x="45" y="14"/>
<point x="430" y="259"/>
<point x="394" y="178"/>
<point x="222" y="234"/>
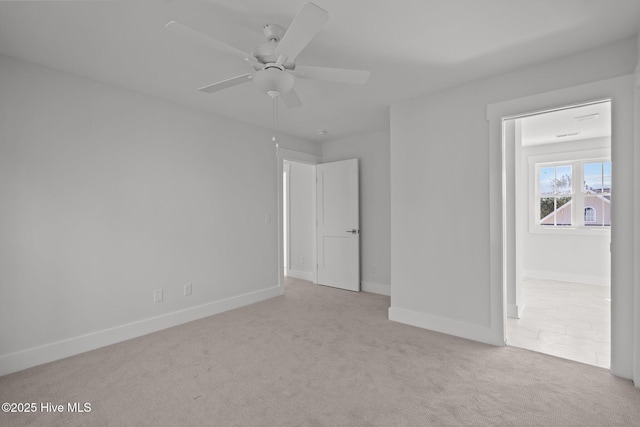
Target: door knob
<point x="354" y="231"/>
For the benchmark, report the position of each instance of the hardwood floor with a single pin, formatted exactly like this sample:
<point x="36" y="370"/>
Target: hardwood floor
<point x="568" y="320"/>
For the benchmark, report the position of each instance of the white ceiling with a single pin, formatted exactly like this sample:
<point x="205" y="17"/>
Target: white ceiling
<point x="570" y="124"/>
<point x="411" y="47"/>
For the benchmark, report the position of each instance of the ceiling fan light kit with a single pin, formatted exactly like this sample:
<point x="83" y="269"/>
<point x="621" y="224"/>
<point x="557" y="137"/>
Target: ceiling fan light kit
<point x="272" y="79"/>
<point x="274" y="61"/>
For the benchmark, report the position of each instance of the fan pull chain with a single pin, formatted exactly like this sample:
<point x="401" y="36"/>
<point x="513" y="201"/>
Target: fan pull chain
<point x="275" y="116"/>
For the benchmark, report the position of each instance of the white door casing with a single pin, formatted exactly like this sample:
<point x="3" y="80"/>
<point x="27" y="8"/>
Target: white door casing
<point x="338" y="229"/>
<point x="622" y="246"/>
<point x="283" y="154"/>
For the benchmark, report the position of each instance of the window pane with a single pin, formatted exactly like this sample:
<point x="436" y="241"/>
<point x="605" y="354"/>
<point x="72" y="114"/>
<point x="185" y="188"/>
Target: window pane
<point x="563" y="179"/>
<point x="593" y="177"/>
<point x="555" y="211"/>
<point x="546" y="211"/>
<point x="606" y="177"/>
<point x="546" y="180"/>
<point x="601" y="215"/>
<point x="563" y="211"/>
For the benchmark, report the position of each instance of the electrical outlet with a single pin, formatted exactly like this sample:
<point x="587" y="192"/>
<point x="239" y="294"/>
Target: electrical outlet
<point x="187" y="289"/>
<point x="157" y="295"/>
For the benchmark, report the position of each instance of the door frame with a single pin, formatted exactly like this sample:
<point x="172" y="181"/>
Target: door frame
<point x="636" y="180"/>
<point x="283" y="154"/>
<point x="621" y="92"/>
<point x="286" y="223"/>
<point x="515" y="199"/>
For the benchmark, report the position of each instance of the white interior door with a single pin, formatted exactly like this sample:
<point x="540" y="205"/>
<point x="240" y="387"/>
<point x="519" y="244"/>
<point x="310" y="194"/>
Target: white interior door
<point x="338" y="224"/>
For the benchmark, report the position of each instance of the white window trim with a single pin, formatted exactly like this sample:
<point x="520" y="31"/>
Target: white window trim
<point x="571" y="194"/>
<point x="573" y="157"/>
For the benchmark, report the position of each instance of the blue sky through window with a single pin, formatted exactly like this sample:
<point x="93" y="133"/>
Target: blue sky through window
<point x="547" y="174"/>
<point x="597" y="176"/>
<point x="555" y="179"/>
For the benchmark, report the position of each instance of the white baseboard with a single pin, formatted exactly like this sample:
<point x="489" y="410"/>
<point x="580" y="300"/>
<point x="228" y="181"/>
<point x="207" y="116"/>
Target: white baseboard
<point x="302" y="275"/>
<point x="58" y="350"/>
<point x="567" y="277"/>
<point x="514" y="310"/>
<point x="446" y="326"/>
<point x="377" y="288"/>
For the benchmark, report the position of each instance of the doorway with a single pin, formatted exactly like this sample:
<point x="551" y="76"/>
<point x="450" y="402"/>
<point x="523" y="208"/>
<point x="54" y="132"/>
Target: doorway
<point x="558" y="271"/>
<point x="319" y="198"/>
<point x="283" y="157"/>
<point x="298" y="219"/>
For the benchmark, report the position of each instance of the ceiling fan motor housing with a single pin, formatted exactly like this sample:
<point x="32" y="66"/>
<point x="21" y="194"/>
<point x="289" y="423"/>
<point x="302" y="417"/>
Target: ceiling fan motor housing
<point x="265" y="54"/>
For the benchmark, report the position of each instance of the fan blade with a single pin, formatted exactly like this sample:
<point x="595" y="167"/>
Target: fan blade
<point x="234" y="81"/>
<point x="304" y="27"/>
<point x="209" y="41"/>
<point x="337" y="75"/>
<point x="291" y="99"/>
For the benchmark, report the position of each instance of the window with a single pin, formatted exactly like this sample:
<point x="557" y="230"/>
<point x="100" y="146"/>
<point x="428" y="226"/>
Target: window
<point x="560" y="198"/>
<point x="597" y="193"/>
<point x="555" y="192"/>
<point x="589" y="214"/>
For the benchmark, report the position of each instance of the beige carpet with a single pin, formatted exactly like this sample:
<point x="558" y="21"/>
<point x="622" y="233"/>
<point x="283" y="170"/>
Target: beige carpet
<point x="320" y="357"/>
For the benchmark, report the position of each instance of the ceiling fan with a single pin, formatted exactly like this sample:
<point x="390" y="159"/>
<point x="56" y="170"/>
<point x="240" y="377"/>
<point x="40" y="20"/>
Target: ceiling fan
<point x="273" y="62"/>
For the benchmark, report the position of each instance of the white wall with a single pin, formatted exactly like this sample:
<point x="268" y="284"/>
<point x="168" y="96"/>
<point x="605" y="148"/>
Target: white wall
<point x="108" y="194"/>
<point x="305" y="148"/>
<point x="440" y="155"/>
<point x="581" y="257"/>
<point x="302" y="227"/>
<point x="373" y="154"/>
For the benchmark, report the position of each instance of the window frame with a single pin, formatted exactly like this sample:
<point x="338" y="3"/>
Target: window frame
<point x="577" y="159"/>
<point x="555" y="196"/>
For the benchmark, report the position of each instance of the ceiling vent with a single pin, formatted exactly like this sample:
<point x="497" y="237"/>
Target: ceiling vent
<point x="586" y="117"/>
<point x="565" y="135"/>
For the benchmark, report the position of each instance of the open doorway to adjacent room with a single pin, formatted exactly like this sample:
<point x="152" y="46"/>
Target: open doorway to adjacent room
<point x="318" y="210"/>
<point x="298" y="219"/>
<point x="559" y="273"/>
